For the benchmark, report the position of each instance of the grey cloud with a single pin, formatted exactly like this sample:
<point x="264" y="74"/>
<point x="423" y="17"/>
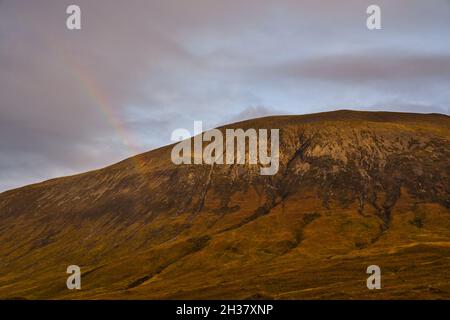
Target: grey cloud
<point x="370" y="67"/>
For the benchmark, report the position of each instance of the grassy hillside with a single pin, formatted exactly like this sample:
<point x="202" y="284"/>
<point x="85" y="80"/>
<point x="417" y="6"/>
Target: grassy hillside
<point x="353" y="189"/>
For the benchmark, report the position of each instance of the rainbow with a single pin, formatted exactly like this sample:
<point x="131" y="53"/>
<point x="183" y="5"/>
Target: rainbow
<point x="88" y="83"/>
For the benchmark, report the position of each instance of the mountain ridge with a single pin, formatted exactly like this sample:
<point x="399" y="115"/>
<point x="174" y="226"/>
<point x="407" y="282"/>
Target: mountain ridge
<point x="270" y="117"/>
<point x="354" y="188"/>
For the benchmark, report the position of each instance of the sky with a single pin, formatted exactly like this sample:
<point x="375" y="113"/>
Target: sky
<point x="77" y="100"/>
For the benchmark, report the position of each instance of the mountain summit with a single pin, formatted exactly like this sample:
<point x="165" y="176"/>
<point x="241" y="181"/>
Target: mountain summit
<point x="353" y="189"/>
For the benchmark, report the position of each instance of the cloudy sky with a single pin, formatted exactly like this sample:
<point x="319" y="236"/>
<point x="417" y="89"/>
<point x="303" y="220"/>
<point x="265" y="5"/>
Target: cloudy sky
<point x="72" y="101"/>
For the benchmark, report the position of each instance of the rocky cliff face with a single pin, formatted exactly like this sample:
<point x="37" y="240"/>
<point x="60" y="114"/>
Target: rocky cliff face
<point x="353" y="189"/>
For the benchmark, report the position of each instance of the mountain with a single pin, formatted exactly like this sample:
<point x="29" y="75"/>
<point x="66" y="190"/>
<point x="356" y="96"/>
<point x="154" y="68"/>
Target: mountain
<point x="353" y="189"/>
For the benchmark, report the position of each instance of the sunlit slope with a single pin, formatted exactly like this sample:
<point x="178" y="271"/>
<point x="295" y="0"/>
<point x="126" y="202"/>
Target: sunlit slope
<point x="353" y="189"/>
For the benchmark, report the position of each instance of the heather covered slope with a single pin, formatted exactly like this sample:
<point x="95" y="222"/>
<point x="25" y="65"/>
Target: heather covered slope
<point x="353" y="189"/>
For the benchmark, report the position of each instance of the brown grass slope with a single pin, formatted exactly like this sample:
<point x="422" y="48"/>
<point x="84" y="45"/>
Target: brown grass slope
<point x="353" y="189"/>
